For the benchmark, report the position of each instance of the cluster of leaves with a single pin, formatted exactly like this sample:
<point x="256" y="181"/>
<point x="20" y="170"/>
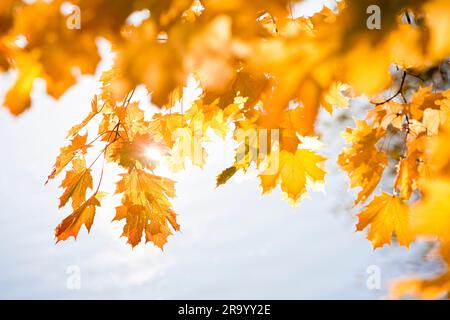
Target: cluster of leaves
<point x="258" y="67"/>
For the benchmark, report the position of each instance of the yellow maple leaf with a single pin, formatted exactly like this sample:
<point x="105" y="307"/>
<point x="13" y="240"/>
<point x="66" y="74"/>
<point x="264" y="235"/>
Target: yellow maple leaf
<point x="394" y="115"/>
<point x="430" y="216"/>
<point x="293" y="171"/>
<point x="75" y="129"/>
<point x="17" y="99"/>
<point x="76" y="183"/>
<point x="428" y="289"/>
<point x="145" y="207"/>
<point x="188" y="145"/>
<point x="407" y="175"/>
<point x="52" y="51"/>
<point x="411" y="167"/>
<point x="432" y="119"/>
<point x="437" y="154"/>
<point x="77" y="146"/>
<point x="130" y="154"/>
<point x="84" y="214"/>
<point x="424" y="98"/>
<point x="439" y="25"/>
<point x="335" y="97"/>
<point x="431" y="288"/>
<point x="386" y="215"/>
<point x="362" y="160"/>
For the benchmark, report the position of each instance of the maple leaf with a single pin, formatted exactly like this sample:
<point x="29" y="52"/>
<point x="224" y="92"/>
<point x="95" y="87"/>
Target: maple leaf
<point x="75" y="129"/>
<point x="187" y="145"/>
<point x="431" y="288"/>
<point x="76" y="183"/>
<point x="78" y="146"/>
<point x="362" y="160"/>
<point x="407" y="175"/>
<point x="131" y="118"/>
<point x="292" y="171"/>
<point x="386" y="215"/>
<point x="142" y="59"/>
<point x="52" y="52"/>
<point x="294" y="123"/>
<point x="163" y="125"/>
<point x="84" y="214"/>
<point x="202" y="116"/>
<point x="437" y="154"/>
<point x="129" y="154"/>
<point x="430" y="217"/>
<point x="432" y="119"/>
<point x="185" y="134"/>
<point x="423" y="99"/>
<point x="335" y="97"/>
<point x="410" y="167"/>
<point x="246" y="84"/>
<point x="145" y="207"/>
<point x="388" y="114"/>
<point x="17" y="99"/>
<point x="438" y="24"/>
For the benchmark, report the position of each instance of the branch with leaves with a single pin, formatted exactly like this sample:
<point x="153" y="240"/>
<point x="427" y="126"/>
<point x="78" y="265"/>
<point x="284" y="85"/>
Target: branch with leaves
<point x="259" y="67"/>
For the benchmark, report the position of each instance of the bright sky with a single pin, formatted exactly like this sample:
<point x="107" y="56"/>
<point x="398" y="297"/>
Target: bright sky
<point x="234" y="242"/>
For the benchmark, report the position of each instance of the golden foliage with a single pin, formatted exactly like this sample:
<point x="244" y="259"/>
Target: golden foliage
<point x="363" y="161"/>
<point x="264" y="76"/>
<point x="429" y="288"/>
<point x="292" y="171"/>
<point x="386" y="215"/>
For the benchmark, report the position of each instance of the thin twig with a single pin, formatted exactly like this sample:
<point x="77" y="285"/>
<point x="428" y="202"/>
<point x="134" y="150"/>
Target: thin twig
<point x="399" y="91"/>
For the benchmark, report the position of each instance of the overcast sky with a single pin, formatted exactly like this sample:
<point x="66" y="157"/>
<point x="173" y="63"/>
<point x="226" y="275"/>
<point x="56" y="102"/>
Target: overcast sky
<point x="234" y="242"/>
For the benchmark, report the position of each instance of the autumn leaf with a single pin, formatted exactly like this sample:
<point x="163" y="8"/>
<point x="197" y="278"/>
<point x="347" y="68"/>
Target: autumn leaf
<point x="386" y="215"/>
<point x="76" y="183"/>
<point x="83" y="215"/>
<point x="187" y="146"/>
<point x="423" y="99"/>
<point x="438" y="25"/>
<point x="78" y="146"/>
<point x="391" y="114"/>
<point x="146" y="207"/>
<point x="362" y="159"/>
<point x="430" y="216"/>
<point x="52" y="51"/>
<point x="17" y="99"/>
<point x="411" y="167"/>
<point x="246" y="84"/>
<point x="432" y="119"/>
<point x="430" y="288"/>
<point x="407" y="176"/>
<point x="204" y="116"/>
<point x="129" y="154"/>
<point x="75" y="129"/>
<point x="435" y="288"/>
<point x="293" y="171"/>
<point x="335" y="97"/>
